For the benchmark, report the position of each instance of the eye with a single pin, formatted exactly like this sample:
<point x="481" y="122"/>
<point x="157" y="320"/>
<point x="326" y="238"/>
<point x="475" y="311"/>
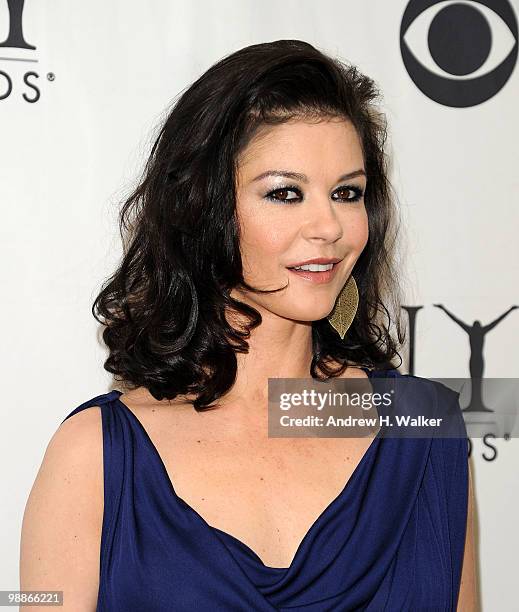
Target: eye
<point x="279" y="195"/>
<point x="357" y="193"/>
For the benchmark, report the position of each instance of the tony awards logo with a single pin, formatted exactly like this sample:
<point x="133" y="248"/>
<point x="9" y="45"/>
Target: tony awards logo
<point x="490" y="406"/>
<point x="18" y="76"/>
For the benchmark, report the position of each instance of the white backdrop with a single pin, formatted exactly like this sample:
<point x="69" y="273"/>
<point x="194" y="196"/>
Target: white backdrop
<point x="76" y="132"/>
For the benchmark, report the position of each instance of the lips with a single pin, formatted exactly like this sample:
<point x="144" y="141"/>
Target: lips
<point x="316" y="260"/>
<point x="318" y="278"/>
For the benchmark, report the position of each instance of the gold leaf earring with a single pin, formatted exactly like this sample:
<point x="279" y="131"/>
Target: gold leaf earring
<point x="345" y="308"/>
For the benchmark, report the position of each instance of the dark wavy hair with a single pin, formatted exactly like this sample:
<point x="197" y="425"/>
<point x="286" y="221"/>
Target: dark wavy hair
<point x="164" y="307"/>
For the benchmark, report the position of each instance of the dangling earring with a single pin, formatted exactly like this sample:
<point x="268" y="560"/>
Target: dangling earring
<point x="345" y="308"/>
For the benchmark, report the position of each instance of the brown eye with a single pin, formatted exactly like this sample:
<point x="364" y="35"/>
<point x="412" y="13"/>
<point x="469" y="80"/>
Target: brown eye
<point x="280" y="195"/>
<point x="344" y="191"/>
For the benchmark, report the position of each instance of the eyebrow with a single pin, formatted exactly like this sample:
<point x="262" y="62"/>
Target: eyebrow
<point x="303" y="177"/>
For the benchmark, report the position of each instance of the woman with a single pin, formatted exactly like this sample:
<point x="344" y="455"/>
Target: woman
<point x="171" y="496"/>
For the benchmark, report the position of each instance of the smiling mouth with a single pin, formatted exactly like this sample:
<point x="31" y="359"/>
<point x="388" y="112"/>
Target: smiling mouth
<point x="315" y="267"/>
<point x="315" y="273"/>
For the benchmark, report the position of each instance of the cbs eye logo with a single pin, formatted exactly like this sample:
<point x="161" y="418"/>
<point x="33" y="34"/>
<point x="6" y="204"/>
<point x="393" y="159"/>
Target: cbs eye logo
<point x="459" y="54"/>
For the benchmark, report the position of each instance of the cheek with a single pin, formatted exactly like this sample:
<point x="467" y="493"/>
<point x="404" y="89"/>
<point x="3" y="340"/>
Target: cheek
<point x="356" y="231"/>
<point x="261" y="237"/>
<point x="363" y="234"/>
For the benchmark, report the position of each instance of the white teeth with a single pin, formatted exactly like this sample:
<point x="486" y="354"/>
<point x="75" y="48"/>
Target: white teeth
<point x="315" y="267"/>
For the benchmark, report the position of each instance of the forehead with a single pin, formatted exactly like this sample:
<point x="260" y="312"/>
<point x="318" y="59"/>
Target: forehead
<point x="332" y="143"/>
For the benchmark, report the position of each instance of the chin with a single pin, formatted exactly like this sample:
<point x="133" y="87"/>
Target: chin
<point x="309" y="315"/>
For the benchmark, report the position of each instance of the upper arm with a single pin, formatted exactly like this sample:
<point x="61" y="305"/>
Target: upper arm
<point x="468" y="596"/>
<point x="62" y="522"/>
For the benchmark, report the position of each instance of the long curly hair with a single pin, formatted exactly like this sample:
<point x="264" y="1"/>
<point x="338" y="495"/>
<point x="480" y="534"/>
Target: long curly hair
<point x="163" y="309"/>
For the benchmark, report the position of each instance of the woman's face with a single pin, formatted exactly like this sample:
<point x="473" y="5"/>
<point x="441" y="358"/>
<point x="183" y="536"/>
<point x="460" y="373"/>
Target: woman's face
<point x="312" y="211"/>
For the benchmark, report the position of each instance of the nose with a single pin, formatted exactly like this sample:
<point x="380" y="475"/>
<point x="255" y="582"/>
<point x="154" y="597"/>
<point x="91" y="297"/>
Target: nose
<point x="321" y="221"/>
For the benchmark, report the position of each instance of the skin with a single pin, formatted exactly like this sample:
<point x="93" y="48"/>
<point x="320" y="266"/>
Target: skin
<point x="222" y="462"/>
<point x="469" y="596"/>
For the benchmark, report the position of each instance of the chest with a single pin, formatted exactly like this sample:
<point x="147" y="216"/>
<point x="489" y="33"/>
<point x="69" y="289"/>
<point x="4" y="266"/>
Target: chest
<point x="267" y="493"/>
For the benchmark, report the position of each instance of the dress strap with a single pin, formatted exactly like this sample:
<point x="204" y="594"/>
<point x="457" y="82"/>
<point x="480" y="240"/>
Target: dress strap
<point x="99" y="400"/>
<point x="117" y="451"/>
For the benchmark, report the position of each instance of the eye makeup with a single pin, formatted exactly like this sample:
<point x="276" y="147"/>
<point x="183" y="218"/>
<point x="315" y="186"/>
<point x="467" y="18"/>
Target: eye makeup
<point x="273" y="195"/>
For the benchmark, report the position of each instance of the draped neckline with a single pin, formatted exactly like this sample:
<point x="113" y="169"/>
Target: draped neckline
<point x="339" y="498"/>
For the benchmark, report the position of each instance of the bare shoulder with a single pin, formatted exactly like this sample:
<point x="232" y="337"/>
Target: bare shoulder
<point x="354" y="371"/>
<point x="173" y="416"/>
<point x="62" y="521"/>
<point x="468" y="598"/>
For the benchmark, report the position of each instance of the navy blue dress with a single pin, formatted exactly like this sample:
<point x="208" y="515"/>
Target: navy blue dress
<point x="392" y="540"/>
